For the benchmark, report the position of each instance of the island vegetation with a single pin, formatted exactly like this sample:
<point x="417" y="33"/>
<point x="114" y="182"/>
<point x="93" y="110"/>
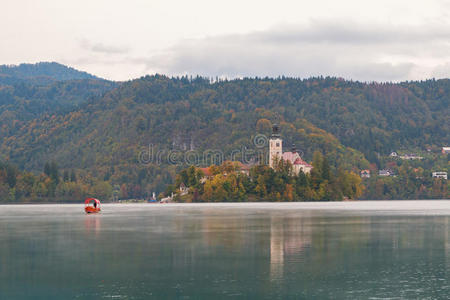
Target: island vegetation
<point x="229" y="183"/>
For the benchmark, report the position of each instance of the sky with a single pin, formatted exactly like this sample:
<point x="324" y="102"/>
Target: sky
<point x="367" y="40"/>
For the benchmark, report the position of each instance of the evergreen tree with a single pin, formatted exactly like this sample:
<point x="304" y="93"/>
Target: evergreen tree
<point x="54" y="172"/>
<point x="11" y="174"/>
<point x="66" y="176"/>
<point x="47" y="170"/>
<point x="73" y="176"/>
<point x="326" y="171"/>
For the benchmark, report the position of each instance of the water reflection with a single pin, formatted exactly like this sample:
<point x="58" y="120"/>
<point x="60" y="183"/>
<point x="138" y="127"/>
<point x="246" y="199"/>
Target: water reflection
<point x="447" y="242"/>
<point x="202" y="252"/>
<point x="92" y="224"/>
<point x="276" y="248"/>
<point x="289" y="237"/>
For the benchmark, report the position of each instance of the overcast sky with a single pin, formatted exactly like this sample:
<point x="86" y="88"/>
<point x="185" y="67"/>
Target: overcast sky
<point x="381" y="40"/>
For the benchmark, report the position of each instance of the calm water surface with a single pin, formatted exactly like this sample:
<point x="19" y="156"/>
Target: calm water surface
<point x="359" y="250"/>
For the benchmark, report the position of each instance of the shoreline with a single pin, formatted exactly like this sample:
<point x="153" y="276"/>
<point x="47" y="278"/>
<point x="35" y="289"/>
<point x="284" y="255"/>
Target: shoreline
<point x="304" y="204"/>
<point x="128" y="202"/>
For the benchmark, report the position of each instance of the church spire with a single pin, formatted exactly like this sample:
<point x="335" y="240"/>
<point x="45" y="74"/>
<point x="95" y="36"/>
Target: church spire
<point x="294" y="149"/>
<point x="275" y="131"/>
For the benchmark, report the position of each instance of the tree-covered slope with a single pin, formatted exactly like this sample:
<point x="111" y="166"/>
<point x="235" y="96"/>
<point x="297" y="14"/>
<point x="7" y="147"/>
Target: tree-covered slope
<point x="107" y="136"/>
<point x="30" y="91"/>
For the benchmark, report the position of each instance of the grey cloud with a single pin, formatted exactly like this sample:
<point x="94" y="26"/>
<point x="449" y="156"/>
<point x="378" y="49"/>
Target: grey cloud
<point x="347" y="32"/>
<point x="103" y="48"/>
<point x="349" y="50"/>
<point x="382" y="71"/>
<point x="442" y="71"/>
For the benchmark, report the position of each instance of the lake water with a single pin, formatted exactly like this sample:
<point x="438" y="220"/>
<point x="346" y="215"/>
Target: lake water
<point x="348" y="250"/>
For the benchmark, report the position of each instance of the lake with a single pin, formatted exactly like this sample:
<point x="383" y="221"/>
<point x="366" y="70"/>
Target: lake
<point x="345" y="250"/>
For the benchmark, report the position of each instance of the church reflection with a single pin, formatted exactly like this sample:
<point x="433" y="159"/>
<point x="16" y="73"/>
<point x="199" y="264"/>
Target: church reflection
<point x="276" y="249"/>
<point x="289" y="237"/>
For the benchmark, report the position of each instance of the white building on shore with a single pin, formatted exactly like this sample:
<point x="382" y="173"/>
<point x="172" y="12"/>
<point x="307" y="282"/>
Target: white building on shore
<point x="439" y="175"/>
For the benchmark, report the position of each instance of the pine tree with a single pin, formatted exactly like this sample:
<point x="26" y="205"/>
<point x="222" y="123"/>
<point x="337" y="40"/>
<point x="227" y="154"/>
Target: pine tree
<point x="73" y="176"/>
<point x="54" y="173"/>
<point x="47" y="169"/>
<point x="66" y="175"/>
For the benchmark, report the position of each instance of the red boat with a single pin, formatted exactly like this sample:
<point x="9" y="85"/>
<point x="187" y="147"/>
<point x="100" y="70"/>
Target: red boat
<point x="91" y="205"/>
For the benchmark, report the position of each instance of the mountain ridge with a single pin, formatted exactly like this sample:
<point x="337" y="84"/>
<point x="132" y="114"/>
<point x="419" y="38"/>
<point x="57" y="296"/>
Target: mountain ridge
<point x="52" y="70"/>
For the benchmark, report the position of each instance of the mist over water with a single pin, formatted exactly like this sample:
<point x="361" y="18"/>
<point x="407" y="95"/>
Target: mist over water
<point x="345" y="250"/>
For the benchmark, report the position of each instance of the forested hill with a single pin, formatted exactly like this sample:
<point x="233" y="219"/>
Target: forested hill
<point x="352" y="123"/>
<point x="42" y="72"/>
<point x="29" y="91"/>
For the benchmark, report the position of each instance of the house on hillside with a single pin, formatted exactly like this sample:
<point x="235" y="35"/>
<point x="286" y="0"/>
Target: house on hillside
<point x="393" y="154"/>
<point x="385" y="172"/>
<point x="445" y="150"/>
<point x="365" y="174"/>
<point x="183" y="189"/>
<point x="410" y="157"/>
<point x="207" y="174"/>
<point x="439" y="175"/>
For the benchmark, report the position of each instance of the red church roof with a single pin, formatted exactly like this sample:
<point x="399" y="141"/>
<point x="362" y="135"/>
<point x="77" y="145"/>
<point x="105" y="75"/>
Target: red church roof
<point x="206" y="171"/>
<point x="300" y="161"/>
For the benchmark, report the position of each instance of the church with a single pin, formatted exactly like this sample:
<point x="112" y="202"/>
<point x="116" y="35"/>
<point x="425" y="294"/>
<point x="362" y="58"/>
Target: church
<point x="276" y="151"/>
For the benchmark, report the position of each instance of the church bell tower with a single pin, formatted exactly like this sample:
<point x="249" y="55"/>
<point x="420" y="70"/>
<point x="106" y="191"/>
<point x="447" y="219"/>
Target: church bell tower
<point x="275" y="145"/>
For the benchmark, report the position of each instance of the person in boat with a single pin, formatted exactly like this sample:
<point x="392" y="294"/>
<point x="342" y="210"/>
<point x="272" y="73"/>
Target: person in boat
<point x="95" y="204"/>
